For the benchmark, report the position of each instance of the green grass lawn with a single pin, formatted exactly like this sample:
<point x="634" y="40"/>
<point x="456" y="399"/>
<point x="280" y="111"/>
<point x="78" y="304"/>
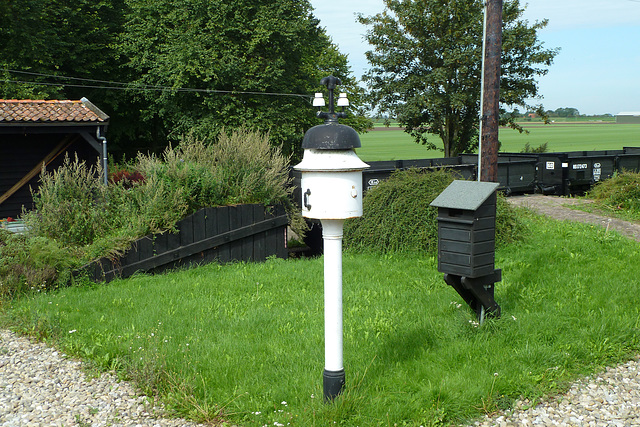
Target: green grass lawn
<point x="577" y="136"/>
<point x="244" y="342"/>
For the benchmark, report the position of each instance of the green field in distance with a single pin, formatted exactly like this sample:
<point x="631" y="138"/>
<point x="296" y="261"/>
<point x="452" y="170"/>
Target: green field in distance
<point x="394" y="144"/>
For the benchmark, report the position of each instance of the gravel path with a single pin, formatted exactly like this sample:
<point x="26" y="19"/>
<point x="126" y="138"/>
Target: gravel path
<point x="611" y="398"/>
<point x="39" y="386"/>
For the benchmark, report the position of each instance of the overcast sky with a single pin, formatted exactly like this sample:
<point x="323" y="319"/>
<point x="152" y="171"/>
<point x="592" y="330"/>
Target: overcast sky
<point x="597" y="70"/>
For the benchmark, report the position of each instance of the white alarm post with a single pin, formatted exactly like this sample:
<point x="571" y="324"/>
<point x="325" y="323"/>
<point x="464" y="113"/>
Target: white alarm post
<point x="331" y="185"/>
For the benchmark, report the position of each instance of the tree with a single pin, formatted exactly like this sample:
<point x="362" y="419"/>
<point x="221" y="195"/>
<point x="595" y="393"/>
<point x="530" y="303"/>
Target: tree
<point x="43" y="43"/>
<point x="56" y="37"/>
<point x="249" y="60"/>
<point x="426" y="67"/>
<point x="159" y="48"/>
<point x="567" y="112"/>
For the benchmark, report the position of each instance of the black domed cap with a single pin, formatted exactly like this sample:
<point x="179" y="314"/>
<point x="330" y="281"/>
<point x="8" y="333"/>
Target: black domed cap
<point x="331" y="136"/>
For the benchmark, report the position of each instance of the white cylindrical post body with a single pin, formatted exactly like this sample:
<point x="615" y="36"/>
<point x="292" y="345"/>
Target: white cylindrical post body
<point x="333" y="375"/>
<point x="332" y="238"/>
<point x="331" y="189"/>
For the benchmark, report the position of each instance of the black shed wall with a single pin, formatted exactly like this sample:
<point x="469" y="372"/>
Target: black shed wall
<point x="20" y="153"/>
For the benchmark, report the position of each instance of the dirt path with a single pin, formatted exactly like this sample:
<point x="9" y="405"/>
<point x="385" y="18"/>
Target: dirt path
<point x="557" y="207"/>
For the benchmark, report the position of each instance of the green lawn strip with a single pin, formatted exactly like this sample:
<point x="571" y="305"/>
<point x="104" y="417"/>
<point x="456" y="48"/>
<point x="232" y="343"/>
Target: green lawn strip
<point x="572" y="137"/>
<point x="397" y="145"/>
<point x="393" y="145"/>
<point x="247" y="339"/>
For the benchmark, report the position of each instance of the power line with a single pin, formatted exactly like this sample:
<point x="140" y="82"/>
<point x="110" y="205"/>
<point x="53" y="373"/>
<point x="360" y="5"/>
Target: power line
<point x="133" y="86"/>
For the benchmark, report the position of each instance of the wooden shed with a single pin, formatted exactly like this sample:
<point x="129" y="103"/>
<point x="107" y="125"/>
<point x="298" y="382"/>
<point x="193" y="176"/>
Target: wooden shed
<point x="34" y="133"/>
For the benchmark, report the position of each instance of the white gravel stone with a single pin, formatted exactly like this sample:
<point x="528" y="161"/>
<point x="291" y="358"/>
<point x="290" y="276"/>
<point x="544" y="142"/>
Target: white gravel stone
<point x="610" y="399"/>
<point x="39" y="386"/>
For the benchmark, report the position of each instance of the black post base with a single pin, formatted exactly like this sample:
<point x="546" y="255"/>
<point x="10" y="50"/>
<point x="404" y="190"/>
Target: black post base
<point x="333" y="384"/>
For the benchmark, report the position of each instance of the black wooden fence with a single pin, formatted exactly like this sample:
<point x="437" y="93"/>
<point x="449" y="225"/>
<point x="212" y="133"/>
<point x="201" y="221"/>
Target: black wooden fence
<point x="222" y="234"/>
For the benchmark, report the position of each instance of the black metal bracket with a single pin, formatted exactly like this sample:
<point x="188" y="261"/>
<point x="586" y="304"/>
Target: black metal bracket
<point x="331" y="116"/>
<point x="477" y="292"/>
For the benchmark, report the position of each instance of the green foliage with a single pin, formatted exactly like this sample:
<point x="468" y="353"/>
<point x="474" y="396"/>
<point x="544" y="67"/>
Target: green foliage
<point x="620" y="193"/>
<point x="241" y="167"/>
<point x="183" y="64"/>
<point x="397" y="215"/>
<point x="70" y="204"/>
<point x="36" y="264"/>
<point x="59" y="37"/>
<point x="79" y="218"/>
<point x="232" y="342"/>
<point x="426" y="66"/>
<point x="222" y="48"/>
<point x="566" y="112"/>
<point x="542" y="148"/>
<point x="510" y="227"/>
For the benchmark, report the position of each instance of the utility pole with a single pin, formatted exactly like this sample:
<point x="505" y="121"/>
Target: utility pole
<point x="490" y="102"/>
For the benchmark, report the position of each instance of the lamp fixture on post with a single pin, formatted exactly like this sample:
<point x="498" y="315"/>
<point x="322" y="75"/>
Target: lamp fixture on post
<point x="331" y="184"/>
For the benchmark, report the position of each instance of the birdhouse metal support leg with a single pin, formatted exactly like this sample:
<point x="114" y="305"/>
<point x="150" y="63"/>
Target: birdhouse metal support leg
<point x="477" y="292"/>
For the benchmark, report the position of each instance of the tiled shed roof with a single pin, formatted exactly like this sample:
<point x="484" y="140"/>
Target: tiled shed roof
<point x="40" y="111"/>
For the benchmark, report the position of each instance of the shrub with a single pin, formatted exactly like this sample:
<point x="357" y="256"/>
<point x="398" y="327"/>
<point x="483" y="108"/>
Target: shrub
<point x="542" y="148"/>
<point x="70" y="204"/>
<point x="80" y="218"/>
<point x="240" y="167"/>
<point x="397" y="215"/>
<point x="619" y="193"/>
<point x="31" y="264"/>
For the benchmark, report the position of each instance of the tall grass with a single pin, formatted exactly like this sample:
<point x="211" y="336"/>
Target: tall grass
<point x="244" y="342"/>
<point x="619" y="195"/>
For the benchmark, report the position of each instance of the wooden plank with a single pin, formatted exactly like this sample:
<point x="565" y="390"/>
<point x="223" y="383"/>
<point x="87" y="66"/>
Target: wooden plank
<point x="246" y="244"/>
<point x="132" y="256"/>
<point x="211" y="230"/>
<point x="259" y="247"/>
<point x="199" y="230"/>
<point x="185" y="251"/>
<point x="161" y="243"/>
<point x="223" y="228"/>
<point x="281" y="235"/>
<point x="270" y="244"/>
<point x="173" y="241"/>
<point x="235" y="222"/>
<point x="145" y="247"/>
<point x="186" y="231"/>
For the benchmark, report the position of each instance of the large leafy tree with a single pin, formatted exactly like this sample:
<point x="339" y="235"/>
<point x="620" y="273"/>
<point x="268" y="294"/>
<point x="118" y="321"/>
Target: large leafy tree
<point x="235" y="57"/>
<point x="44" y="43"/>
<point x="59" y="38"/>
<point x="426" y="66"/>
<point x="242" y="56"/>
